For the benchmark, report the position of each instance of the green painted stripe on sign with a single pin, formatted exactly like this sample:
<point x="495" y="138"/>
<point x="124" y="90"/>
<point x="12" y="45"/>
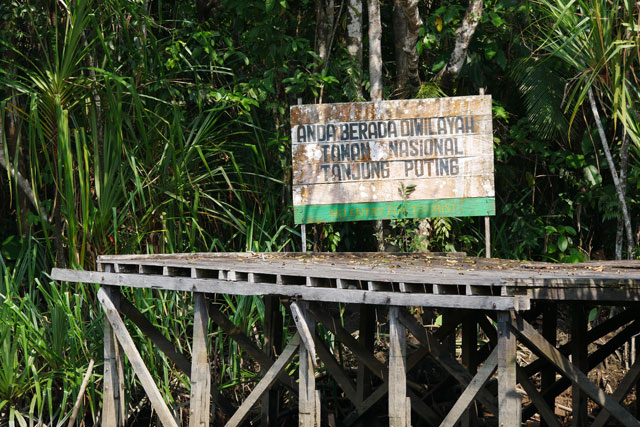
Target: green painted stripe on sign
<point x="479" y="206"/>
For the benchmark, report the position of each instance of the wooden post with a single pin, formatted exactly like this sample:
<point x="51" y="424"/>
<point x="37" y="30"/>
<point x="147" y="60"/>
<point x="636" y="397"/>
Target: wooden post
<point x="579" y="359"/>
<point x="113" y="408"/>
<point x="200" y="405"/>
<point x="487" y="220"/>
<point x="303" y="227"/>
<point x="450" y="321"/>
<point x="272" y="341"/>
<point x="151" y="389"/>
<point x="366" y="338"/>
<point x="548" y="374"/>
<point x="307" y="384"/>
<point x="637" y="385"/>
<point x="469" y="349"/>
<point x="509" y="399"/>
<point x="397" y="372"/>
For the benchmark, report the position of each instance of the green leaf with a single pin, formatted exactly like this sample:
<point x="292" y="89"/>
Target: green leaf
<point x="563" y="242"/>
<point x="592" y="175"/>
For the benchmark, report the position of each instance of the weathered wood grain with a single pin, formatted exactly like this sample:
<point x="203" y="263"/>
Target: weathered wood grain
<point x="112" y="397"/>
<point x="307" y="407"/>
<point x="397" y="371"/>
<point x="509" y="400"/>
<point x="304" y="329"/>
<point x="200" y="405"/>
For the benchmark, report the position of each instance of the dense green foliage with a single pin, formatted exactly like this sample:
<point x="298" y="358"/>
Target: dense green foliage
<point x="162" y="126"/>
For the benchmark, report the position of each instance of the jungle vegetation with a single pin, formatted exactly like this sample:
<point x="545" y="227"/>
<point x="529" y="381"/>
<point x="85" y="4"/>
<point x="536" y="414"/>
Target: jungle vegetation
<point x="151" y="126"/>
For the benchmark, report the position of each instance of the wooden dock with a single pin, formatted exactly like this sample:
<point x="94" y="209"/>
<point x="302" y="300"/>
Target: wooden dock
<point x="510" y="302"/>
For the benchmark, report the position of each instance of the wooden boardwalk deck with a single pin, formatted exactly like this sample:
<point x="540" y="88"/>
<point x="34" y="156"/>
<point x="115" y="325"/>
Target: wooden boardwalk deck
<point x="475" y="293"/>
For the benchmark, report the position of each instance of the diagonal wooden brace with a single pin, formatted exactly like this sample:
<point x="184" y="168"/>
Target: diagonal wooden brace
<point x="470" y="393"/>
<point x="156" y="399"/>
<point x="266" y="382"/>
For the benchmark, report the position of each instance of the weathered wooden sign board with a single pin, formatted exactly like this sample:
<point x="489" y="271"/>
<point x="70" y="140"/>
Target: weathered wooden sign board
<point x="393" y="159"/>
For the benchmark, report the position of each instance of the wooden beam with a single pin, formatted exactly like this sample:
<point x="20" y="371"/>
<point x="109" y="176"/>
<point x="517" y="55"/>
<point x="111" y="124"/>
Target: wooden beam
<point x="200" y="405"/>
<point x="469" y="354"/>
<point x="397" y="371"/>
<point x="150" y="388"/>
<point x="469" y="394"/>
<point x="266" y="382"/>
<point x="509" y="400"/>
<point x="308" y="293"/>
<point x="307" y="408"/>
<point x="548" y="374"/>
<point x="304" y="329"/>
<point x="579" y="356"/>
<point x="112" y="394"/>
<point x="529" y="334"/>
<point x="273" y="325"/>
<point x="366" y="332"/>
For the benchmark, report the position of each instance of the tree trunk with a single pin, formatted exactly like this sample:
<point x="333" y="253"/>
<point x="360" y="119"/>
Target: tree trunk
<point x="614" y="174"/>
<point x="624" y="164"/>
<point x="324" y="24"/>
<point x="402" y="60"/>
<point x="414" y="24"/>
<point x="464" y="34"/>
<point x="375" y="50"/>
<point x="375" y="76"/>
<point x="354" y="41"/>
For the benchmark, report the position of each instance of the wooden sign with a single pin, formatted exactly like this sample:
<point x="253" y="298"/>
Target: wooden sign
<point x="393" y="159"/>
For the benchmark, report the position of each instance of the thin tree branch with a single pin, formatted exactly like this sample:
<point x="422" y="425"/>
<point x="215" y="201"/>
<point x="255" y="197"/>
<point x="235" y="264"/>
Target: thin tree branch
<point x="612" y="168"/>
